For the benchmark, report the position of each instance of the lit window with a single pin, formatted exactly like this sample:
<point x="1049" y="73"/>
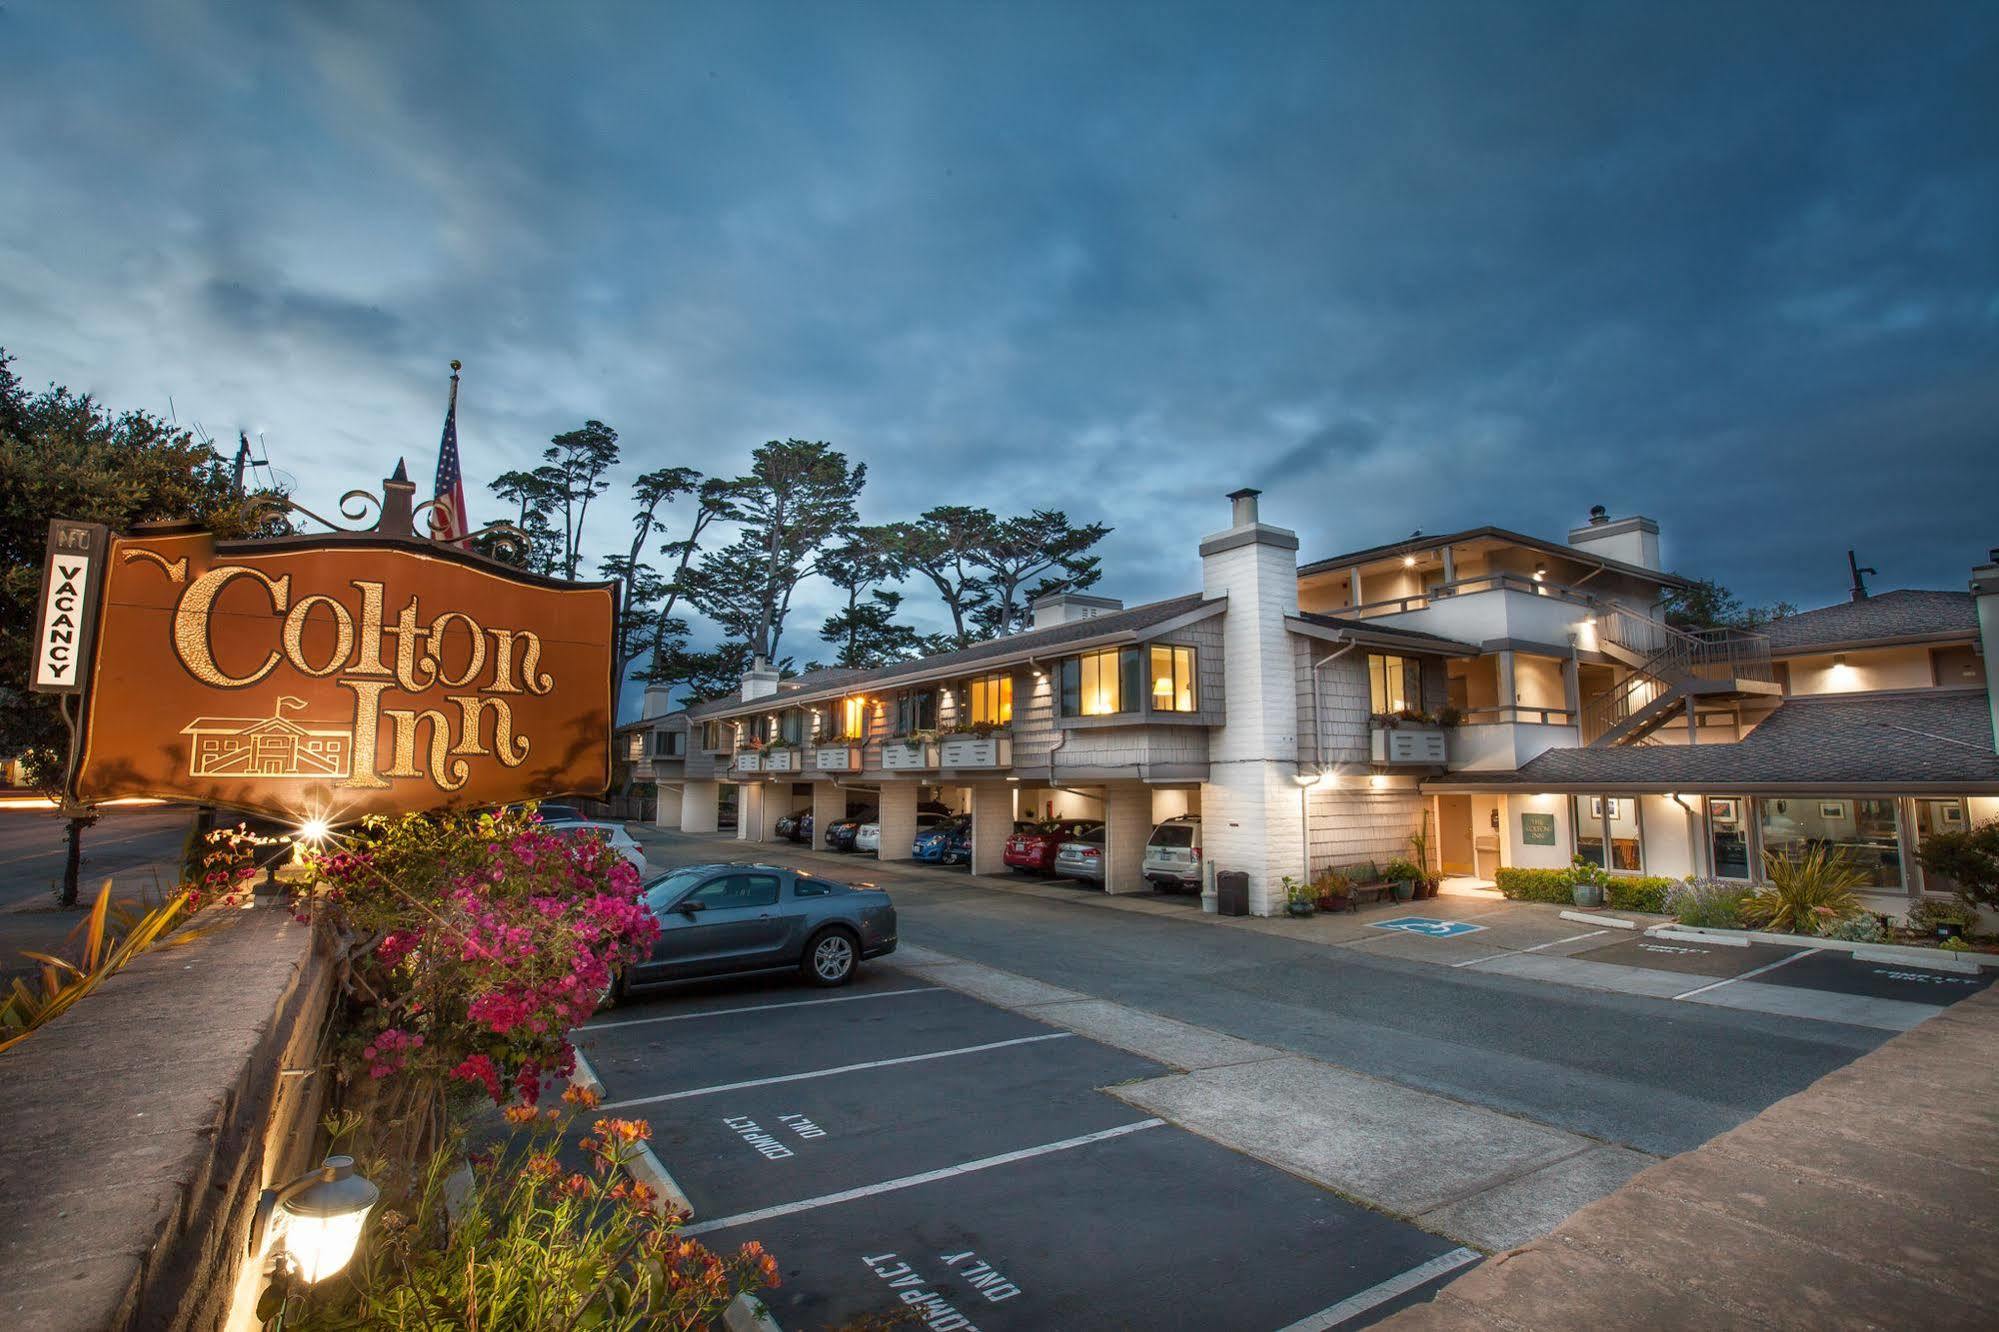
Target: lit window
<point x="1392" y="684"/>
<point x="1172" y="679"/>
<point x="853" y="718"/>
<point x="1101" y="684"/>
<point x="990" y="700"/>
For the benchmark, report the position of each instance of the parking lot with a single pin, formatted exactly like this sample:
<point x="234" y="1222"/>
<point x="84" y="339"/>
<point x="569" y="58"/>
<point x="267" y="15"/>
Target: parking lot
<point x="909" y="1151"/>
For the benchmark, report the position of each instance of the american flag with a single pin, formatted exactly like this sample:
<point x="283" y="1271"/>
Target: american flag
<point x="447" y="520"/>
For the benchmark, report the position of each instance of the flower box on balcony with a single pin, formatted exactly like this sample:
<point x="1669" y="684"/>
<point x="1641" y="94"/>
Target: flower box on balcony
<point x="908" y="756"/>
<point x="836" y="758"/>
<point x="1410" y="744"/>
<point x="750" y="760"/>
<point x="976" y="751"/>
<point x="781" y="760"/>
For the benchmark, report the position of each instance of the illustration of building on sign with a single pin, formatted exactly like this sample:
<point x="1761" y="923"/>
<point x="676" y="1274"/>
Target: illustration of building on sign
<point x="273" y="746"/>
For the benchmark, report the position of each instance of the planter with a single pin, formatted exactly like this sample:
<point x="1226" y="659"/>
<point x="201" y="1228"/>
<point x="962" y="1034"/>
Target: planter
<point x="749" y="761"/>
<point x="1410" y="742"/>
<point x="1427" y="890"/>
<point x="1404" y="889"/>
<point x="780" y="760"/>
<point x="1587" y="895"/>
<point x="972" y="751"/>
<point x="1341" y="903"/>
<point x="908" y="756"/>
<point x="1300" y="909"/>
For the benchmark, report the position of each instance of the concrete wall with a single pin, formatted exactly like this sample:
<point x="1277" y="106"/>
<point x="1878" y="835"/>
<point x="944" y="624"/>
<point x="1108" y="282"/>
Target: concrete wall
<point x="1350" y="825"/>
<point x="666" y="810"/>
<point x="1033" y="802"/>
<point x="1520" y="855"/>
<point x="1669" y="845"/>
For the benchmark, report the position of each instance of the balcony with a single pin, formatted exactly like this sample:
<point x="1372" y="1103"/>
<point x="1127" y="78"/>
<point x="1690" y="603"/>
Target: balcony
<point x="976" y="751"/>
<point x="781" y="759"/>
<point x="749" y="760"/>
<point x="1478" y="610"/>
<point x="836" y="758"/>
<point x="1502" y="739"/>
<point x="1411" y="744"/>
<point x="908" y="756"/>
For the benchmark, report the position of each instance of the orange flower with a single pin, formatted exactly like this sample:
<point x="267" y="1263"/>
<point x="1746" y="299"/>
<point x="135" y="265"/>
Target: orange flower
<point x="581" y="1097"/>
<point x="520" y="1114"/>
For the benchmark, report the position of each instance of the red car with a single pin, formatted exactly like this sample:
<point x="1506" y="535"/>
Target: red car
<point x="1035" y="848"/>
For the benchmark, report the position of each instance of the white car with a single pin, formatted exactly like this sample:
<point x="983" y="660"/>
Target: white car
<point x="614" y="833"/>
<point x="868" y="837"/>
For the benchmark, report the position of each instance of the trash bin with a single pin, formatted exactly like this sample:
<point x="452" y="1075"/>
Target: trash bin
<point x="1232" y="893"/>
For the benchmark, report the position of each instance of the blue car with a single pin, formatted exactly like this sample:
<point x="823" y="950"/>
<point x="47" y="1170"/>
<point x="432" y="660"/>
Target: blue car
<point x="946" y="844"/>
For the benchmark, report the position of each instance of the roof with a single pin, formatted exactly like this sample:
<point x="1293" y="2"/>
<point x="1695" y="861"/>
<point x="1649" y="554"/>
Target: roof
<point x="1385" y="635"/>
<point x="1409" y="545"/>
<point x="1888" y="617"/>
<point x="1930" y="739"/>
<point x="1032" y="642"/>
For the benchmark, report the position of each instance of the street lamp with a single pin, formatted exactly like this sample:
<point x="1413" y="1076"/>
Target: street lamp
<point x="320" y="1218"/>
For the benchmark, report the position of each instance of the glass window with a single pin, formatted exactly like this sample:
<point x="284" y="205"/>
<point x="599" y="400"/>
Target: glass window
<point x="1939" y="816"/>
<point x="853" y="718"/>
<point x="1172" y="679"/>
<point x="915" y="710"/>
<point x="736" y="890"/>
<point x="1728" y="837"/>
<point x="990" y="700"/>
<point x="791" y="725"/>
<point x="1607" y="832"/>
<point x="1589" y="828"/>
<point x="1394" y="685"/>
<point x="1102" y="684"/>
<point x="1865" y="832"/>
<point x="662" y="892"/>
<point x="807" y="886"/>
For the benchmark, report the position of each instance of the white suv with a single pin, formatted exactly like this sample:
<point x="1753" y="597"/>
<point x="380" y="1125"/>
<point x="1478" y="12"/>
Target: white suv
<point x="1173" y="855"/>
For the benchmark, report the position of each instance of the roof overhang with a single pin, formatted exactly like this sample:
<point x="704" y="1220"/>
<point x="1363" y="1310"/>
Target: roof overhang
<point x="1382" y="637"/>
<point x="1556" y="548"/>
<point x="1865" y="644"/>
<point x="1469" y="783"/>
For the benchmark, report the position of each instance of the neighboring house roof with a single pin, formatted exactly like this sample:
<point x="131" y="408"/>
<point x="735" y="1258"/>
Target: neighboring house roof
<point x="1055" y="638"/>
<point x="1369" y="633"/>
<point x="1887" y="617"/>
<point x="1922" y="740"/>
<point x="1410" y="545"/>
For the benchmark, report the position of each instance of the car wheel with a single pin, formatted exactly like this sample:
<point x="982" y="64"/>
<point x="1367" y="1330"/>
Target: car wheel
<point x="831" y="957"/>
<point x="614" y="993"/>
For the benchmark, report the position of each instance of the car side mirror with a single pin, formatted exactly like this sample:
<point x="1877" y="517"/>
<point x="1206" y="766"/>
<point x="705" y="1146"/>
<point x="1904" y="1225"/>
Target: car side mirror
<point x="689" y="908"/>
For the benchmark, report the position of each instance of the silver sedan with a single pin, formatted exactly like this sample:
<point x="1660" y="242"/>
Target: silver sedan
<point x="721" y="920"/>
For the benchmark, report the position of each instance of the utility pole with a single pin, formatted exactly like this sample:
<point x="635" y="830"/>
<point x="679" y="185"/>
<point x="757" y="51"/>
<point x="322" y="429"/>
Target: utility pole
<point x="242" y="458"/>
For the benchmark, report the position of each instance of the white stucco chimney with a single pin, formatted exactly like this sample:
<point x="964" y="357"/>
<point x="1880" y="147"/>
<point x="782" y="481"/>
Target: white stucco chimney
<point x="658" y="701"/>
<point x="1062" y="607"/>
<point x="1985" y="594"/>
<point x="760" y="680"/>
<point x="1633" y="540"/>
<point x="1250" y="805"/>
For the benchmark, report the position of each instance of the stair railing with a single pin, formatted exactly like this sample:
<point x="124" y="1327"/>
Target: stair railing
<point x="1674" y="656"/>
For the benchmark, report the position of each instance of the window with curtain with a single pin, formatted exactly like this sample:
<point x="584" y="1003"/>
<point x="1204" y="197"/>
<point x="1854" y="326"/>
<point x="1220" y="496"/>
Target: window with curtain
<point x="989" y="700"/>
<point x="915" y="710"/>
<point x="1394" y="684"/>
<point x="853" y="718"/>
<point x="1102" y="684"/>
<point x="1173" y="679"/>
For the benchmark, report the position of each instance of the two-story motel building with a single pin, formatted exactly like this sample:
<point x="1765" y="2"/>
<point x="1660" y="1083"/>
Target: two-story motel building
<point x="1266" y="703"/>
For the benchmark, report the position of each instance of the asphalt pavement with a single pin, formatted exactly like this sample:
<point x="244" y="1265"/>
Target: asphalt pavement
<point x="127" y="845"/>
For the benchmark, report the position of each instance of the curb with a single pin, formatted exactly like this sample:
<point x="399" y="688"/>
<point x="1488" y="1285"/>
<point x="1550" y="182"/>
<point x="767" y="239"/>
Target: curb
<point x="1928" y="959"/>
<point x="1689" y="936"/>
<point x="585" y="1076"/>
<point x="647" y="1169"/>
<point x="747" y="1313"/>
<point x="1586" y="918"/>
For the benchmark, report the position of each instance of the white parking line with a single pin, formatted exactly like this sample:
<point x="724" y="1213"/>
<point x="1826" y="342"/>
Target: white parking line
<point x="1535" y="949"/>
<point x="1355" y="1305"/>
<point x="1767" y="966"/>
<point x="758" y="1008"/>
<point x="833" y="1072"/>
<point x="911" y="1181"/>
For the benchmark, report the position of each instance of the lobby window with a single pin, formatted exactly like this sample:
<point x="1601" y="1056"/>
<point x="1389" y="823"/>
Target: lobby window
<point x="1865" y="832"/>
<point x="1607" y="832"/>
<point x="1173" y="679"/>
<point x="1394" y="684"/>
<point x="915" y="710"/>
<point x="989" y="700"/>
<point x="1101" y="684"/>
<point x="1728" y="837"/>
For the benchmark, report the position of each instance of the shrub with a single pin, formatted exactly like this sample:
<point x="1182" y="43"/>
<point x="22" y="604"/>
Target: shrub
<point x="1969" y="858"/>
<point x="1807" y="894"/>
<point x="1862" y="928"/>
<point x="1712" y="903"/>
<point x="1536" y="885"/>
<point x="1647" y="893"/>
<point x="1401" y="871"/>
<point x="1931" y="912"/>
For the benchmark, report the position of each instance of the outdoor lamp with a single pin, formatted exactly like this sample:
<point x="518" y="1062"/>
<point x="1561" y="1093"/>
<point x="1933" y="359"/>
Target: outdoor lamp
<point x="313" y="830"/>
<point x="321" y="1214"/>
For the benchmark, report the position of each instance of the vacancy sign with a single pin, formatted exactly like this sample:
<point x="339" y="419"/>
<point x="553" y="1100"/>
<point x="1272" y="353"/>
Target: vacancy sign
<point x="70" y="579"/>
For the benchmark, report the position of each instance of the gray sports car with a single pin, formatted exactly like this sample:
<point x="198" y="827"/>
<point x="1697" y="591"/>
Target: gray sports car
<point x="717" y="920"/>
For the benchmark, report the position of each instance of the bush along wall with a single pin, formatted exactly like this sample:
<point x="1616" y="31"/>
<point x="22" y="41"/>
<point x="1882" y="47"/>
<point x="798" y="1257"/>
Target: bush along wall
<point x="1646" y="893"/>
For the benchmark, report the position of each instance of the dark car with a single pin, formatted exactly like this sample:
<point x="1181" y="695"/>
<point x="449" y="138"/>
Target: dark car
<point x="717" y="920"/>
<point x="787" y="827"/>
<point x="1035" y="849"/>
<point x="801" y="830"/>
<point x="840" y="833"/>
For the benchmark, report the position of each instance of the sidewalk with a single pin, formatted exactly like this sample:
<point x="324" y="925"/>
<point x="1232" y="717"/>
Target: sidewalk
<point x="1870" y="1199"/>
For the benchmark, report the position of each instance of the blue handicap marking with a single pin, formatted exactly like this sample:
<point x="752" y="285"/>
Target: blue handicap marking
<point x="1423" y="925"/>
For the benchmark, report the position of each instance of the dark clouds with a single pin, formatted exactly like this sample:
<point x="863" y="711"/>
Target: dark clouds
<point x="1402" y="265"/>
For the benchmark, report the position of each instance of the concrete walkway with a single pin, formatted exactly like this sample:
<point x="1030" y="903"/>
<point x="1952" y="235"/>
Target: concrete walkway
<point x="1868" y="1200"/>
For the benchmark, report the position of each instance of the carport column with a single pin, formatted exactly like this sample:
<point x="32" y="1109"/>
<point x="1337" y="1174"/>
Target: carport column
<point x="829" y="806"/>
<point x="897" y="815"/>
<point x="1250" y="818"/>
<point x="1127" y="825"/>
<point x="774" y="802"/>
<point x="992" y="823"/>
<point x="700" y="804"/>
<point x="666" y="805"/>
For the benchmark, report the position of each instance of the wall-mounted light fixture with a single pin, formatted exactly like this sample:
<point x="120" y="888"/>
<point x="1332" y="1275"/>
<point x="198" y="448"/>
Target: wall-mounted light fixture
<point x="1839" y="660"/>
<point x="1540" y="572"/>
<point x="1408" y="561"/>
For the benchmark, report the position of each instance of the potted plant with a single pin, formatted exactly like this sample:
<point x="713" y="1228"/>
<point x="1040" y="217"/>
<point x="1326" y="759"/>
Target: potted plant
<point x="1427" y="883"/>
<point x="1586" y="884"/>
<point x="1402" y="879"/>
<point x="1332" y="891"/>
<point x="1298" y="897"/>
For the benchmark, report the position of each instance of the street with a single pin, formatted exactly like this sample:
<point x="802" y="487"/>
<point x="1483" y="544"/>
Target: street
<point x="129" y="845"/>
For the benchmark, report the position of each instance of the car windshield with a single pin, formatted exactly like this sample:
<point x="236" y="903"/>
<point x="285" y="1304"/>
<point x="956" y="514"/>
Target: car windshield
<point x="661" y="892"/>
<point x="1173" y="834"/>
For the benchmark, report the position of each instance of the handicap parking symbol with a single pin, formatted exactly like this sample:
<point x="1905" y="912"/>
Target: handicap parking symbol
<point x="1434" y="929"/>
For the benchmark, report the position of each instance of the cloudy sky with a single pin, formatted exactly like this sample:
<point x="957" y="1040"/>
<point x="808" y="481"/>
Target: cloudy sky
<point x="1402" y="265"/>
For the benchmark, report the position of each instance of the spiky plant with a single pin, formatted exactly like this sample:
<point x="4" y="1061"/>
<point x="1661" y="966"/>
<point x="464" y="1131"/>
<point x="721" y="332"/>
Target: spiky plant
<point x="1806" y="894"/>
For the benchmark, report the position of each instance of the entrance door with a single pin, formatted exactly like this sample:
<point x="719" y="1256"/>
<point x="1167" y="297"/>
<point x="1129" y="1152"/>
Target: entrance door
<point x="1454" y="845"/>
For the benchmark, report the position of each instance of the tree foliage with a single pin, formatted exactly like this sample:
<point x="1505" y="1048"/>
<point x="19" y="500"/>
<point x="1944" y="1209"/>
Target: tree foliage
<point x="944" y="545"/>
<point x="1970" y="859"/>
<point x="1042" y="545"/>
<point x="1706" y="604"/>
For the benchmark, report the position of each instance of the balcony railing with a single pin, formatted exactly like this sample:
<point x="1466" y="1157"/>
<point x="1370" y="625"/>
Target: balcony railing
<point x="749" y="760"/>
<point x="836" y="758"/>
<point x="1518" y="716"/>
<point x="1410" y="744"/>
<point x="974" y="751"/>
<point x="908" y="756"/>
<point x="1499" y="582"/>
<point x="781" y="760"/>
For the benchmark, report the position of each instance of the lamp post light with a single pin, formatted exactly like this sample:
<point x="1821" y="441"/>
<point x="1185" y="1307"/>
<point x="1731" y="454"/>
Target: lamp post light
<point x="319" y="1217"/>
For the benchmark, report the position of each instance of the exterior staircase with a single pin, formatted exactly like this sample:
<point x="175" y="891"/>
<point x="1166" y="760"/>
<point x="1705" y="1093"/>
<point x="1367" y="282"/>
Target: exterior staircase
<point x="1671" y="669"/>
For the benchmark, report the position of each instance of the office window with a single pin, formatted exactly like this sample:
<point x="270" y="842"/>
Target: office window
<point x="1607" y="832"/>
<point x="1394" y="684"/>
<point x="1101" y="684"/>
<point x="915" y="710"/>
<point x="1864" y="832"/>
<point x="989" y="700"/>
<point x="1173" y="679"/>
<point x="1728" y="837"/>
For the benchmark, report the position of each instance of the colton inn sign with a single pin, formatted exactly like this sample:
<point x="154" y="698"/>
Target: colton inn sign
<point x="326" y="676"/>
